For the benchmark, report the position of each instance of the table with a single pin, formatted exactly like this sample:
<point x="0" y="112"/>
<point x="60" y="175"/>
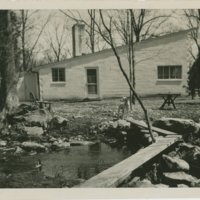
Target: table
<point x="169" y="99"/>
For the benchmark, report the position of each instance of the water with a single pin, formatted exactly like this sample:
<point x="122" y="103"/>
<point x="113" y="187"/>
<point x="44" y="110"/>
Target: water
<point x="74" y="163"/>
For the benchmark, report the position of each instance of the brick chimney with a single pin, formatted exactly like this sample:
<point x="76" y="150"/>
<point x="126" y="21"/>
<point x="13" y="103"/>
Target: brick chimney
<point x="78" y="39"/>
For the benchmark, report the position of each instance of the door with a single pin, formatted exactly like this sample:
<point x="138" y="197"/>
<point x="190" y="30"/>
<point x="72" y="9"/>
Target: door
<point x="92" y="82"/>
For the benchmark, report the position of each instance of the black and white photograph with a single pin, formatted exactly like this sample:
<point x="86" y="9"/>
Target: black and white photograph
<point x="100" y="98"/>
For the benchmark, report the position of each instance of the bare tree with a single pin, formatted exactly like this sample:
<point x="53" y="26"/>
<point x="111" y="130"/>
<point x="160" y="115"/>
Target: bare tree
<point x="28" y="26"/>
<point x="144" y="23"/>
<point x="93" y="39"/>
<point x="56" y="39"/>
<point x="107" y="35"/>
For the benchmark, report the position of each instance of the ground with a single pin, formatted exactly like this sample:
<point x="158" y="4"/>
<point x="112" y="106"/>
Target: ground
<point x="82" y="118"/>
<point x="93" y="112"/>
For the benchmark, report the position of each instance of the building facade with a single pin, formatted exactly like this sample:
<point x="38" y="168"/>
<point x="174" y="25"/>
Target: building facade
<point x="161" y="66"/>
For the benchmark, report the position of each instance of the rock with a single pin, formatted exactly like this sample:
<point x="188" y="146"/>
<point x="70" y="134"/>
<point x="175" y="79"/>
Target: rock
<point x="133" y="182"/>
<point x="19" y="150"/>
<point x="178" y="125"/>
<point x="175" y="164"/>
<point x="147" y="184"/>
<point x="32" y="153"/>
<point x="32" y="146"/>
<point x="113" y="124"/>
<point x="80" y="143"/>
<point x="103" y="126"/>
<point x="34" y="131"/>
<point x="60" y="145"/>
<point x="23" y="109"/>
<point x="47" y="145"/>
<point x="123" y="124"/>
<point x="3" y="143"/>
<point x="182" y="186"/>
<point x="186" y="146"/>
<point x="144" y="183"/>
<point x="52" y="139"/>
<point x="77" y="116"/>
<point x="192" y="156"/>
<point x="196" y="184"/>
<point x="146" y="133"/>
<point x="160" y="185"/>
<point x="180" y="177"/>
<point x="35" y="118"/>
<point x="58" y="122"/>
<point x="124" y="133"/>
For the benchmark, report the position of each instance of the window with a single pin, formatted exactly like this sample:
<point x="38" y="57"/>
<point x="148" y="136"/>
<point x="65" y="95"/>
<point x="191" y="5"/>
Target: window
<point x="58" y="74"/>
<point x="92" y="81"/>
<point x="170" y="72"/>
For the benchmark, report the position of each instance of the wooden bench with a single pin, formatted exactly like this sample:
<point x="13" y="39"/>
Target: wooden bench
<point x="41" y="104"/>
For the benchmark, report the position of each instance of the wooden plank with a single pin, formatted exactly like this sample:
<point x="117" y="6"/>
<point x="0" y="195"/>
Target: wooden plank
<point x="115" y="175"/>
<point x="159" y="130"/>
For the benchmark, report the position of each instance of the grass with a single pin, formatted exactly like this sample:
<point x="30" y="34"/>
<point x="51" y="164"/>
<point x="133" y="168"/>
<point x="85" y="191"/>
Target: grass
<point x="97" y="111"/>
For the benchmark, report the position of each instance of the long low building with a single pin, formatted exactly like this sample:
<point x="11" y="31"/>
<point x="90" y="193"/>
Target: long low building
<point x="161" y="65"/>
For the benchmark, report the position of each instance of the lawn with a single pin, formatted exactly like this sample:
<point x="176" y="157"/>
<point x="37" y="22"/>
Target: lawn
<point x="93" y="112"/>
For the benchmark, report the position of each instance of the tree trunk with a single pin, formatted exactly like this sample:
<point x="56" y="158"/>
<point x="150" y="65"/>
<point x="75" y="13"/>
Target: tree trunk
<point x="23" y="41"/>
<point x="134" y="93"/>
<point x="8" y="89"/>
<point x="129" y="27"/>
<point x="132" y="57"/>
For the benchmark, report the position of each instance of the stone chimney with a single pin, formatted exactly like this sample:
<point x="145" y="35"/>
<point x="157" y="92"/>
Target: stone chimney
<point x="78" y="39"/>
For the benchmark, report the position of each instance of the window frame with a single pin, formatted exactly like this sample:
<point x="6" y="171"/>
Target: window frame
<point x="58" y="75"/>
<point x="163" y="77"/>
<point x="92" y="84"/>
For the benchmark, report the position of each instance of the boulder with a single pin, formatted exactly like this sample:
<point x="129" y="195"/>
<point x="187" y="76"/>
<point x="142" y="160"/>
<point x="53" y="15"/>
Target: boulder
<point x="160" y="185"/>
<point x="123" y="124"/>
<point x="80" y="143"/>
<point x="180" y="177"/>
<point x="40" y="117"/>
<point x="182" y="186"/>
<point x="58" y="122"/>
<point x="60" y="145"/>
<point x="196" y="184"/>
<point x="178" y="125"/>
<point x="113" y="124"/>
<point x="47" y="144"/>
<point x="19" y="150"/>
<point x="23" y="109"/>
<point x="32" y="146"/>
<point x="146" y="133"/>
<point x="52" y="139"/>
<point x="192" y="156"/>
<point x="147" y="184"/>
<point x="186" y="146"/>
<point x="34" y="131"/>
<point x="133" y="182"/>
<point x="104" y="126"/>
<point x="175" y="164"/>
<point x="3" y="143"/>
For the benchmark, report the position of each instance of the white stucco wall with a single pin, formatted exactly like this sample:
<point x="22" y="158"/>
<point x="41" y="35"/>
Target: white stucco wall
<point x="166" y="51"/>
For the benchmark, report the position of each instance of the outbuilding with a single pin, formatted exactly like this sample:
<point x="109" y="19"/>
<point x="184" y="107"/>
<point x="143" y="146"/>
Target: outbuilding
<point x="161" y="65"/>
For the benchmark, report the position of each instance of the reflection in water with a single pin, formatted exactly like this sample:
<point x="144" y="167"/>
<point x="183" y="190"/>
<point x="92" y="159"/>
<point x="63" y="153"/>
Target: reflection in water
<point x="78" y="162"/>
<point x="94" y="149"/>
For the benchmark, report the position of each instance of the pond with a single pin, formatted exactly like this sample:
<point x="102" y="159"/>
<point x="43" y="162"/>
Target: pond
<point x="77" y="162"/>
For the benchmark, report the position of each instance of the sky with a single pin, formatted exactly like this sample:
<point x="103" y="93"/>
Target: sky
<point x="175" y="22"/>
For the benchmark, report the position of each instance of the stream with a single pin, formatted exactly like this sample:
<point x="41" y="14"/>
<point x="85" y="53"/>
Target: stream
<point x="77" y="162"/>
